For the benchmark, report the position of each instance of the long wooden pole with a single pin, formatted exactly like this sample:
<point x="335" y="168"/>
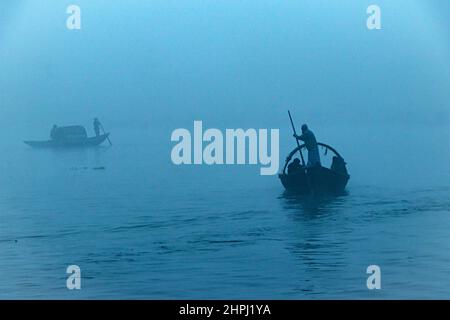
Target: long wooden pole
<point x="298" y="144"/>
<point x="106" y="136"/>
<point x="308" y="179"/>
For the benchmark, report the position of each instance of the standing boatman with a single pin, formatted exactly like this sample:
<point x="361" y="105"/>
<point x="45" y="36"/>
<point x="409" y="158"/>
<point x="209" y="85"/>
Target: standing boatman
<point x="97" y="125"/>
<point x="311" y="145"/>
<point x="54" y="132"/>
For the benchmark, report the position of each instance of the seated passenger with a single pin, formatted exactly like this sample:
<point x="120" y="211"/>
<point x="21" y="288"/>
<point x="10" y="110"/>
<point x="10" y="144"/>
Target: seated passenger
<point x="294" y="166"/>
<point x="338" y="165"/>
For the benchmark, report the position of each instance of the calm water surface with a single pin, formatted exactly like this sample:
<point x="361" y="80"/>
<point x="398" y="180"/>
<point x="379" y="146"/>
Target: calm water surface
<point x="143" y="228"/>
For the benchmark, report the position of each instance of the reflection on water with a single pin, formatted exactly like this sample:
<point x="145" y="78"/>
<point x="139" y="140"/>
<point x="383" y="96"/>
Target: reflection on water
<point x="316" y="251"/>
<point x="312" y="205"/>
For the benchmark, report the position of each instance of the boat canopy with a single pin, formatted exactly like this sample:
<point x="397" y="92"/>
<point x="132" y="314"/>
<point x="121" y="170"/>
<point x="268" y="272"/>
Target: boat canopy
<point x="71" y="132"/>
<point x="303" y="146"/>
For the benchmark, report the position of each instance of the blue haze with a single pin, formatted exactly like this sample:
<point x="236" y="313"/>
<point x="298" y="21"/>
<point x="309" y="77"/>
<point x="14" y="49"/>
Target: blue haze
<point x="144" y="228"/>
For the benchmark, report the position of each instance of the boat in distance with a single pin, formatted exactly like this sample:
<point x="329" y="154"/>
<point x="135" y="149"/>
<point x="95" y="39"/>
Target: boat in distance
<point x="69" y="137"/>
<point x="317" y="179"/>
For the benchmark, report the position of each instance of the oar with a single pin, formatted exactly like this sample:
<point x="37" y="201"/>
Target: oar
<point x="105" y="133"/>
<point x="298" y="144"/>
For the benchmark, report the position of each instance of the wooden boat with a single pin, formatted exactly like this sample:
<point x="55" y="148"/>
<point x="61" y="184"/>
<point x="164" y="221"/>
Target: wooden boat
<point x="316" y="179"/>
<point x="70" y="136"/>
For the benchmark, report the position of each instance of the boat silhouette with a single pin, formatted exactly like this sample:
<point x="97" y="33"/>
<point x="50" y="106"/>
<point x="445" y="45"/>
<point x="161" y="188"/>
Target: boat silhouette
<point x="316" y="179"/>
<point x="69" y="136"/>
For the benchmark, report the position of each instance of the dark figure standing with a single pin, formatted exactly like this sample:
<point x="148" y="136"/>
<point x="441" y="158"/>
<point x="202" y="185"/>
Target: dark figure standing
<point x="97" y="125"/>
<point x="53" y="132"/>
<point x="311" y="145"/>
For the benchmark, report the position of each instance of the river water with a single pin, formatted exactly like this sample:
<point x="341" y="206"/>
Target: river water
<point x="141" y="227"/>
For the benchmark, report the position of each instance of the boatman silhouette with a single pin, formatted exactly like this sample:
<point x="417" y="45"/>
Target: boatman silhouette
<point x="97" y="125"/>
<point x="311" y="145"/>
<point x="53" y="132"/>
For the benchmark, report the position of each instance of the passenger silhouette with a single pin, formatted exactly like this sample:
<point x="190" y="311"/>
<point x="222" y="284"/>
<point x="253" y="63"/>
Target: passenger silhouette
<point x="294" y="166"/>
<point x="311" y="145"/>
<point x="338" y="165"/>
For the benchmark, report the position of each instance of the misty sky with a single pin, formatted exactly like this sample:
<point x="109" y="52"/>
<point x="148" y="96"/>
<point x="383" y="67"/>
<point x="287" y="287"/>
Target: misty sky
<point x="232" y="63"/>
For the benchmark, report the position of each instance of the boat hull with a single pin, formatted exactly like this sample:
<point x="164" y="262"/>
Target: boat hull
<point x="66" y="143"/>
<point x="315" y="180"/>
